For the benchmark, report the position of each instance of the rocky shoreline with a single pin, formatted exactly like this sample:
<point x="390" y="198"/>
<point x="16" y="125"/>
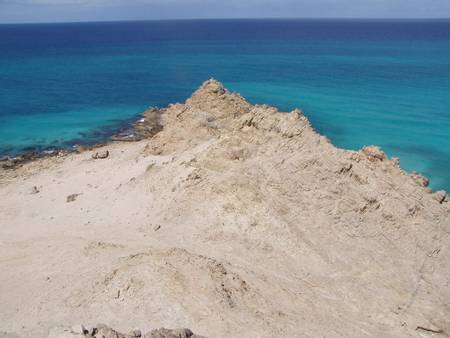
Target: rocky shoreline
<point x="14" y="162"/>
<point x="145" y="126"/>
<point x="151" y="122"/>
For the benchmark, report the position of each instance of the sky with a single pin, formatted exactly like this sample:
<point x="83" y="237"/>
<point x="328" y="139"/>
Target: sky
<point x="15" y="11"/>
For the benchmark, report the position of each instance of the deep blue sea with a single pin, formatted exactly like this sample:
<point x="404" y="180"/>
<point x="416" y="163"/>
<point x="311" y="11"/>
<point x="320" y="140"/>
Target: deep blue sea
<point x="383" y="82"/>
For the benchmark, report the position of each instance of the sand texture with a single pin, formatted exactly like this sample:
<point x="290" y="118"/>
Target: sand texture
<point x="232" y="220"/>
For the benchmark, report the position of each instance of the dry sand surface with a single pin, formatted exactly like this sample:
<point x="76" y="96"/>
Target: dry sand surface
<point x="234" y="220"/>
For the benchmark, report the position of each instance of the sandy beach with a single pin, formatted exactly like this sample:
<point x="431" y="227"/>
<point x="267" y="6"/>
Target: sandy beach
<point x="232" y="220"/>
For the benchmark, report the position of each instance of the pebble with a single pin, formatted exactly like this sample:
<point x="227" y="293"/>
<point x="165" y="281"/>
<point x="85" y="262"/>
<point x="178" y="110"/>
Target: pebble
<point x="35" y="190"/>
<point x="72" y="198"/>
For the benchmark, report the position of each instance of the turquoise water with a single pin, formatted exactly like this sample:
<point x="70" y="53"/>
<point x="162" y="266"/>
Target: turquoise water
<point x="359" y="82"/>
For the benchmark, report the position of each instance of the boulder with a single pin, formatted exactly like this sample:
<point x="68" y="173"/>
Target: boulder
<point x="100" y="155"/>
<point x="374" y="153"/>
<point x="440" y="196"/>
<point x="420" y="179"/>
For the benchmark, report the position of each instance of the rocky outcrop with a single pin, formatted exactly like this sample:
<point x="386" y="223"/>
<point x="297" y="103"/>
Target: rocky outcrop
<point x="103" y="331"/>
<point x="148" y="125"/>
<point x="232" y="219"/>
<point x="374" y="153"/>
<point x="441" y="196"/>
<point x="8" y="163"/>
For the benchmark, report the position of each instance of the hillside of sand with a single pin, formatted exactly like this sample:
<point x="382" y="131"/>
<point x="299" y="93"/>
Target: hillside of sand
<point x="231" y="219"/>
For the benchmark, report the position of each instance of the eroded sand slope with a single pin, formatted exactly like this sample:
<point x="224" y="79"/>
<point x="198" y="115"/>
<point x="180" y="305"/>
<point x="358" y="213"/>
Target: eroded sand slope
<point x="235" y="221"/>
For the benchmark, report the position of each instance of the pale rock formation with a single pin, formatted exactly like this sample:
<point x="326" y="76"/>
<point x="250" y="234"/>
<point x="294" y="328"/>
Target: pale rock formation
<point x="234" y="220"/>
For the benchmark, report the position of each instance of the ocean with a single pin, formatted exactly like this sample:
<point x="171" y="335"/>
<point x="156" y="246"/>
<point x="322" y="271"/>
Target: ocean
<point x="360" y="82"/>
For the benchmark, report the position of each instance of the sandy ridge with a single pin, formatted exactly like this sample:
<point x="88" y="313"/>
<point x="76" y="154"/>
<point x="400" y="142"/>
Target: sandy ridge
<point x="232" y="220"/>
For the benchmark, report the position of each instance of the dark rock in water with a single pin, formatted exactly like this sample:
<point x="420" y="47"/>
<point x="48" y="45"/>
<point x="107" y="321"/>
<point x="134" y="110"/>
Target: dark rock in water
<point x="30" y="156"/>
<point x="52" y="152"/>
<point x="16" y="162"/>
<point x="10" y="164"/>
<point x="148" y="126"/>
<point x="100" y="155"/>
<point x="125" y="136"/>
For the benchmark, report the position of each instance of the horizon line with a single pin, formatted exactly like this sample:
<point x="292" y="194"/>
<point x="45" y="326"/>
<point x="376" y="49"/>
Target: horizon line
<point x="226" y="19"/>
